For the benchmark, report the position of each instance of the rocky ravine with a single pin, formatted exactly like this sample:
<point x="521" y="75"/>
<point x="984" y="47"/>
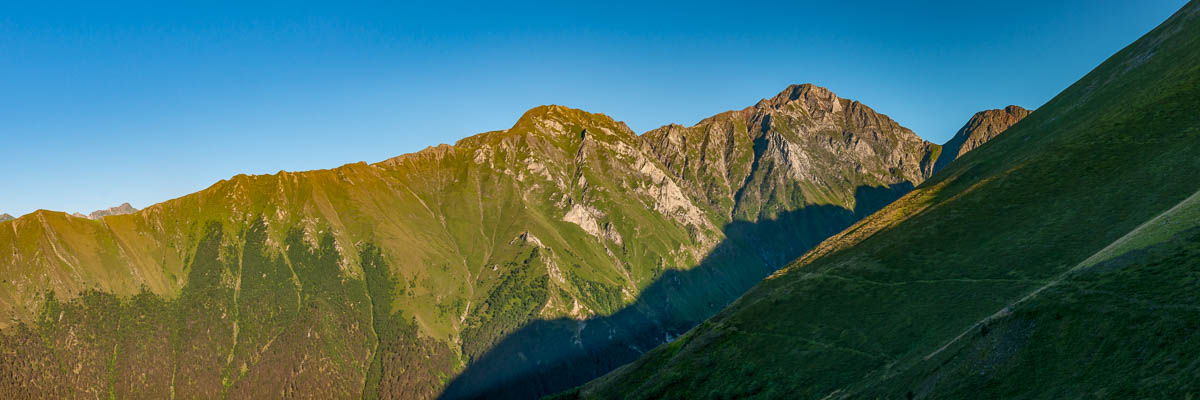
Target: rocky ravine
<point x="514" y="263"/>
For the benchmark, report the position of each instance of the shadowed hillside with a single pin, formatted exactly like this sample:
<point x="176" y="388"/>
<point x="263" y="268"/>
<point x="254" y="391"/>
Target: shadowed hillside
<point x="1057" y="261"/>
<point x="549" y="356"/>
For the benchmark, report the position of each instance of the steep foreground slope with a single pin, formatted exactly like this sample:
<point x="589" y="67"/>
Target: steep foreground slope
<point x="1120" y="324"/>
<point x="1057" y="261"/>
<point x="513" y="264"/>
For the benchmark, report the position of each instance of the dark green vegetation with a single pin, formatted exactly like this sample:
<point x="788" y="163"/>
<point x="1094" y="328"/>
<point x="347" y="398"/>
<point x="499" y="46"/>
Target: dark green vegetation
<point x="1121" y="325"/>
<point x="1057" y="261"/>
<point x="268" y="333"/>
<point x="515" y="300"/>
<point x="404" y="365"/>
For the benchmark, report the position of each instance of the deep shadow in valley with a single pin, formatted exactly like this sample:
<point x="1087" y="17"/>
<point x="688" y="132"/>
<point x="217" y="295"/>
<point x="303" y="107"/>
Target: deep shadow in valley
<point x="548" y="356"/>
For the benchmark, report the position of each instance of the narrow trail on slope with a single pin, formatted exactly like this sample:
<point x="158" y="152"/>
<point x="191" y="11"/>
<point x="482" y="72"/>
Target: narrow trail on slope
<point x="1191" y="201"/>
<point x="820" y="275"/>
<point x="819" y="343"/>
<point x="1092" y="260"/>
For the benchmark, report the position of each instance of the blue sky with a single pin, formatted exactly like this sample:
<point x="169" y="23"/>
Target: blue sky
<point x="140" y="103"/>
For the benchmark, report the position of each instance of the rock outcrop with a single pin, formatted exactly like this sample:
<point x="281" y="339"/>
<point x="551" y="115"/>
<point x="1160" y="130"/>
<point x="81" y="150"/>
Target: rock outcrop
<point x="982" y="127"/>
<point x="122" y="209"/>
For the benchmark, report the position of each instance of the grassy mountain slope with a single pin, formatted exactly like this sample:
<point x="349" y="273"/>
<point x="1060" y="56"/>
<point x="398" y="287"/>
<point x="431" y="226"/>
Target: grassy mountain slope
<point x="1119" y="324"/>
<point x="423" y="275"/>
<point x="878" y="310"/>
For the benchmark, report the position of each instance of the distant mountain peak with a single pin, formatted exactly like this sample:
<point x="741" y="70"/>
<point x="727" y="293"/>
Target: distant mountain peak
<point x="561" y="114"/>
<point x="124" y="208"/>
<point x="1015" y="109"/>
<point x="5" y="217"/>
<point x="807" y="94"/>
<point x="806" y="90"/>
<point x="555" y="125"/>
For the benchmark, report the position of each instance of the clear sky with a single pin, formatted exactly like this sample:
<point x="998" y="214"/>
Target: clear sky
<point x="110" y="102"/>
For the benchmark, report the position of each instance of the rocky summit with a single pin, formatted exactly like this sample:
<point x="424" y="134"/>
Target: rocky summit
<point x="512" y="264"/>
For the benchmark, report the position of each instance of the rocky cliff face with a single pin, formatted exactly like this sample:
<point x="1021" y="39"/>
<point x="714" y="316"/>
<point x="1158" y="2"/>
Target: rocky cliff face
<point x="982" y="127"/>
<point x="5" y="217"/>
<point x="806" y="145"/>
<point x="513" y="263"/>
<point x="122" y="209"/>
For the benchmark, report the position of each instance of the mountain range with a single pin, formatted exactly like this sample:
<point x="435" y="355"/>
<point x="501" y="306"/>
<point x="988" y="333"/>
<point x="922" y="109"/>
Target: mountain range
<point x="456" y="271"/>
<point x="806" y="246"/>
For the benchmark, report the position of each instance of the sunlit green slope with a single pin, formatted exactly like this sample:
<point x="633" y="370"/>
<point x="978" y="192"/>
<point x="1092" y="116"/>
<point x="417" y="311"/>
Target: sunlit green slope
<point x="1058" y="260"/>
